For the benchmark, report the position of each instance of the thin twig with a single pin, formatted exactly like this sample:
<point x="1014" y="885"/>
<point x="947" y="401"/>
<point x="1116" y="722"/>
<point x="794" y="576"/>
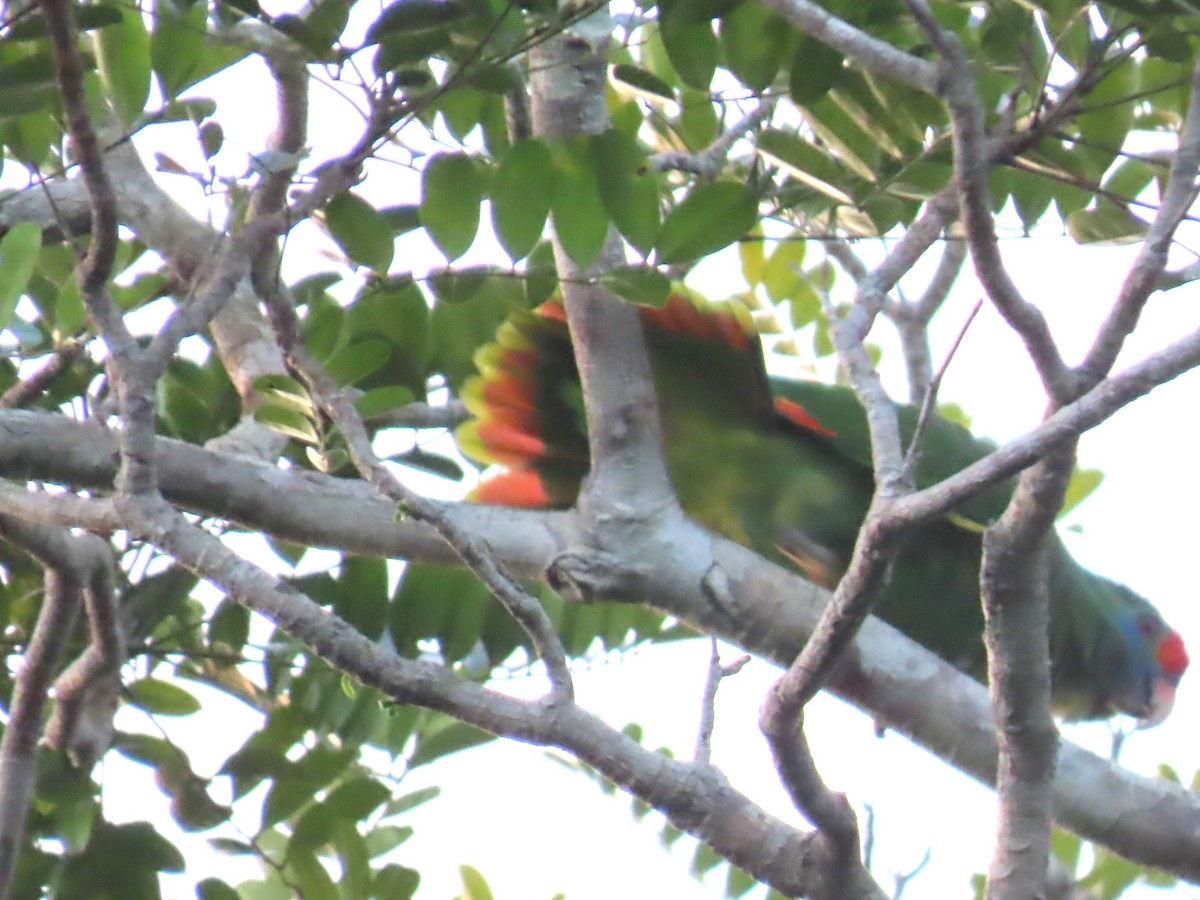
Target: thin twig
<point x="912" y="457"/>
<point x="708" y="700"/>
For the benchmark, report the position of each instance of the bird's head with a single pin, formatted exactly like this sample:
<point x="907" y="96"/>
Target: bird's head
<point x="1145" y="672"/>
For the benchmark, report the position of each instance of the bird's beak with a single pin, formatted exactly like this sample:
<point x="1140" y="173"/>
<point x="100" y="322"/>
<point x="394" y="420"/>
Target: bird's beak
<point x="1161" y="704"/>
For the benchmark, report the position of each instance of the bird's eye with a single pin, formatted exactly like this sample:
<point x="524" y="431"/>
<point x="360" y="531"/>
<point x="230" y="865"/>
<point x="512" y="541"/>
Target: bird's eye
<point x="1148" y="626"/>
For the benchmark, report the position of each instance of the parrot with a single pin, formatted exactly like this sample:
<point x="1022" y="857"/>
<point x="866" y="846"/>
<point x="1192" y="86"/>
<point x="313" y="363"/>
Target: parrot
<point x="783" y="466"/>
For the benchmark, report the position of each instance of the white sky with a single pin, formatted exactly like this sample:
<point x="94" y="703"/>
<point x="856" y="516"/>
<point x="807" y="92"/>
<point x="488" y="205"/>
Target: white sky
<point x="535" y="829"/>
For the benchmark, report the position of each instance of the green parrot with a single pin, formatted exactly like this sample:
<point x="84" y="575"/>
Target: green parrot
<point x="784" y="467"/>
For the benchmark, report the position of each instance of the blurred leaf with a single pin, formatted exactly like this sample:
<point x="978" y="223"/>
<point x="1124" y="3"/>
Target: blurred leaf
<point x="580" y="220"/>
<point x="123" y="54"/>
<point x="756" y="41"/>
<point x="408" y="16"/>
<point x="382" y="400"/>
<point x="1083" y="483"/>
<point x="355" y="361"/>
<point x="1106" y="224"/>
<point x="18" y="258"/>
<point x="805" y="163"/>
<point x="177" y="45"/>
<point x="475" y="886"/>
<point x="642" y="285"/>
<point x="636" y="82"/>
<point x="713" y="215"/>
<point x="163" y="698"/>
<point x="815" y="69"/>
<point x="690" y="44"/>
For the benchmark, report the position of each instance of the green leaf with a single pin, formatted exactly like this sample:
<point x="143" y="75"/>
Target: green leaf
<point x="378" y="401"/>
<point x="454" y="737"/>
<point x="475" y="886"/>
<point x="451" y="191"/>
<point x="710" y="217"/>
<point x="87" y="18"/>
<point x="396" y="882"/>
<point x="433" y="463"/>
<point x="287" y="392"/>
<point x="362" y="597"/>
<point x="303" y="867"/>
<point x="18" y="257"/>
<point x="412" y="800"/>
<point x="407" y="16"/>
<point x="628" y="187"/>
<point x="1083" y="483"/>
<point x="1107" y="223"/>
<point x="522" y="190"/>
<point x="163" y="698"/>
<point x="805" y="163"/>
<point x="1112" y="105"/>
<point x="752" y="254"/>
<point x="215" y="889"/>
<point x="288" y="422"/>
<point x="636" y="82"/>
<point x="643" y="285"/>
<point x="355" y="361"/>
<point x="360" y="230"/>
<point x="123" y="54"/>
<point x="815" y="69"/>
<point x="177" y="45"/>
<point x="782" y="273"/>
<point x="690" y="45"/>
<point x="580" y="221"/>
<point x="756" y="42"/>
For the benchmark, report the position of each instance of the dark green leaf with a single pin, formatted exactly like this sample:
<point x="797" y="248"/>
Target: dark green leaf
<point x="756" y="43"/>
<point x="406" y="16"/>
<point x="815" y="69"/>
<point x="215" y="889"/>
<point x="711" y="216"/>
<point x="642" y="285"/>
<point x="396" y="882"/>
<point x="634" y="81"/>
<point x="433" y="463"/>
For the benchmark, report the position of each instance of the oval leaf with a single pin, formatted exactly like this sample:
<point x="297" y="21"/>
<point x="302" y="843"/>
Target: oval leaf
<point x="163" y="698"/>
<point x="360" y="230"/>
<point x="450" y="196"/>
<point x="521" y="194"/>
